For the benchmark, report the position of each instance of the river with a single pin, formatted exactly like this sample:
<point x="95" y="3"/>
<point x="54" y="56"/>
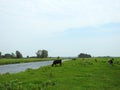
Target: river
<point x="14" y="68"/>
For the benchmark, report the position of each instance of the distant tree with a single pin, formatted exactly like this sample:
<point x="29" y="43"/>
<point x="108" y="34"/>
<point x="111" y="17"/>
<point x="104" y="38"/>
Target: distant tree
<point x="0" y="54"/>
<point x="42" y="54"/>
<point x="83" y="55"/>
<point x="27" y="57"/>
<point x="39" y="53"/>
<point x="18" y="54"/>
<point x="13" y="55"/>
<point x="7" y="55"/>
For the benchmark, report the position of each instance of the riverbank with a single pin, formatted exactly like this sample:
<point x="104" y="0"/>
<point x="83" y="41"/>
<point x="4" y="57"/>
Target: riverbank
<point x="72" y="75"/>
<point x="4" y="61"/>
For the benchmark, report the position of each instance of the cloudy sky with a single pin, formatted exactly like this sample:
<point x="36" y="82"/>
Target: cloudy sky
<point x="63" y="27"/>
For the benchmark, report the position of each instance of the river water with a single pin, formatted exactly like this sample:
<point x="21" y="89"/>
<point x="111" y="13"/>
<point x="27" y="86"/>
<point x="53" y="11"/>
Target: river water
<point x="14" y="68"/>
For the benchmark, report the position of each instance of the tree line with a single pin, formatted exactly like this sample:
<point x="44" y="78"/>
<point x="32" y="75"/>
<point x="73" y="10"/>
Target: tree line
<point x="18" y="54"/>
<point x="84" y="55"/>
<point x="39" y="54"/>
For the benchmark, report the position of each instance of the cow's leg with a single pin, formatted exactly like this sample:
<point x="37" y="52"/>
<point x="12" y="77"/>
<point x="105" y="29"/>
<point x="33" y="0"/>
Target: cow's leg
<point x="52" y="65"/>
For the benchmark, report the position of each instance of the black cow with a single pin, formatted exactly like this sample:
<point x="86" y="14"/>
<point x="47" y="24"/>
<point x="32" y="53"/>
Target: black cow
<point x="74" y="59"/>
<point x="111" y="61"/>
<point x="57" y="62"/>
<point x="95" y="60"/>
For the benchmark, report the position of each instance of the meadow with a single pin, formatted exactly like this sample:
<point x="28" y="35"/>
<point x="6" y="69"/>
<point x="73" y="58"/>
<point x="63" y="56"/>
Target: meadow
<point x="22" y="60"/>
<point x="80" y="74"/>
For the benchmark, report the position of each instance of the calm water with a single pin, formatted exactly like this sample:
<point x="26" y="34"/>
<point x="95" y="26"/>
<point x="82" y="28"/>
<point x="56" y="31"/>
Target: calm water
<point x="14" y="68"/>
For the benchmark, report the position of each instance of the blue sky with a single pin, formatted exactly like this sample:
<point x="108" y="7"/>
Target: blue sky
<point x="63" y="27"/>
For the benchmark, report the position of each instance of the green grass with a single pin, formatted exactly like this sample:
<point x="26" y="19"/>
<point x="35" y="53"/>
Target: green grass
<point x="22" y="60"/>
<point x="72" y="75"/>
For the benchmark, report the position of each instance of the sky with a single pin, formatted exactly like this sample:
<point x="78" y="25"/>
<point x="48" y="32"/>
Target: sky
<point x="62" y="27"/>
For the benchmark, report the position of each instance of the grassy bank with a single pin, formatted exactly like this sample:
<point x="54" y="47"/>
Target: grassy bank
<point x="22" y="60"/>
<point x="72" y="75"/>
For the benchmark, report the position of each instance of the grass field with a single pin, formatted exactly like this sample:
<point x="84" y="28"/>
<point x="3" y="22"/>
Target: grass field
<point x="22" y="60"/>
<point x="72" y="75"/>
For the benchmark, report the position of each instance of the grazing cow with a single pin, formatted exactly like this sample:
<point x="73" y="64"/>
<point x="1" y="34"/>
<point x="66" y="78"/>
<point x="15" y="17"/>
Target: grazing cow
<point x="57" y="62"/>
<point x="74" y="59"/>
<point x="95" y="60"/>
<point x="111" y="61"/>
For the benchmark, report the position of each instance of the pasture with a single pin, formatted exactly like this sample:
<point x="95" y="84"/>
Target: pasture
<point x="80" y="74"/>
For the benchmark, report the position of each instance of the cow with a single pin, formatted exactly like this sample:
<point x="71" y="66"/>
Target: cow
<point x="57" y="62"/>
<point x="111" y="61"/>
<point x="95" y="60"/>
<point x="74" y="59"/>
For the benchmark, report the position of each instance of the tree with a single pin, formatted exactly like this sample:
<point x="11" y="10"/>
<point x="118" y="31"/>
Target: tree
<point x="27" y="57"/>
<point x="7" y="55"/>
<point x="0" y="55"/>
<point x="13" y="55"/>
<point x="18" y="54"/>
<point x="39" y="53"/>
<point x="42" y="54"/>
<point x="83" y="55"/>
